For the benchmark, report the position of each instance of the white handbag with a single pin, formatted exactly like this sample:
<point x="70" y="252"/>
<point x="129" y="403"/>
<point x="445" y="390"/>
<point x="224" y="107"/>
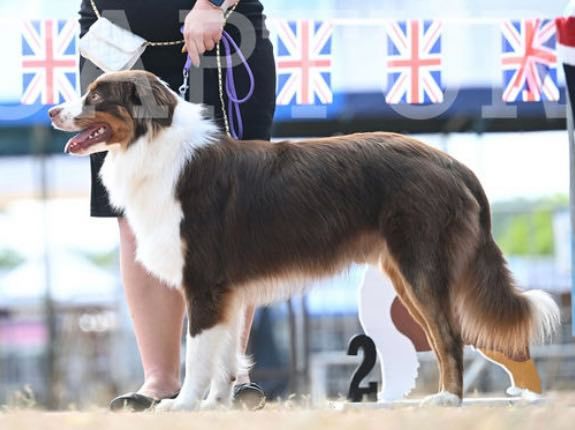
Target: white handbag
<point x="112" y="48"/>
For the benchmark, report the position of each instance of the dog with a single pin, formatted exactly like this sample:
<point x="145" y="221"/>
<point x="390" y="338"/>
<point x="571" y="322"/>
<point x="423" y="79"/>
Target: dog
<point x="233" y="223"/>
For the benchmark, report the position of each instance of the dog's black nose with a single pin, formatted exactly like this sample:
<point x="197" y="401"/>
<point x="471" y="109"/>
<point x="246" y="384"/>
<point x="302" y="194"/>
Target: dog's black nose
<point x="54" y="111"/>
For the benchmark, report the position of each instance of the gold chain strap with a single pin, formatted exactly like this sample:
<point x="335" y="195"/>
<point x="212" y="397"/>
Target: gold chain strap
<point x="170" y="43"/>
<point x="220" y="78"/>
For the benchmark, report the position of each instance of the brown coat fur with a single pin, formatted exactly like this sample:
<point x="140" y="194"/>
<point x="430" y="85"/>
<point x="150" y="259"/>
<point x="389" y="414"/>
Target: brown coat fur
<point x="256" y="211"/>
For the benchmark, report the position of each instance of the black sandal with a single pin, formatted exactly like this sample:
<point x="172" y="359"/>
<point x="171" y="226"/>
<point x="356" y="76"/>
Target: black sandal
<point x="135" y="402"/>
<point x="249" y="396"/>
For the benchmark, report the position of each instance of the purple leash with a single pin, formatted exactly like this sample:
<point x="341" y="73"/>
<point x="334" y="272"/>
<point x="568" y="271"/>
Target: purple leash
<point x="234" y="101"/>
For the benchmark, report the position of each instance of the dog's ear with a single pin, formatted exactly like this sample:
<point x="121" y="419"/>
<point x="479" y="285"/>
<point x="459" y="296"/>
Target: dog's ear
<point x="153" y="103"/>
<point x="134" y="92"/>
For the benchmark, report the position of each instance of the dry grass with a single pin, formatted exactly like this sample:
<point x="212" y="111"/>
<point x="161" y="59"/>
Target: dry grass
<point x="557" y="413"/>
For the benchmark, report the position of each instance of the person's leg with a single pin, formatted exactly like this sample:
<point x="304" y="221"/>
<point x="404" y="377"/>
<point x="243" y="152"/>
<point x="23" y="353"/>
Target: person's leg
<point x="244" y="378"/>
<point x="157" y="313"/>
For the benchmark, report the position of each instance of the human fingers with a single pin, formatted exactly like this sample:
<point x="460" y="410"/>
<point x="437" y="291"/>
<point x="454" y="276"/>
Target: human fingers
<point x="192" y="50"/>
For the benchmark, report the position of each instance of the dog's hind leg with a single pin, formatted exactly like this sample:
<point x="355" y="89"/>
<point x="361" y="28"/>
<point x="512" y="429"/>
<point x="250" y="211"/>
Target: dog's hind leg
<point x="423" y="289"/>
<point x="446" y="343"/>
<point x="446" y="340"/>
<point x="400" y="286"/>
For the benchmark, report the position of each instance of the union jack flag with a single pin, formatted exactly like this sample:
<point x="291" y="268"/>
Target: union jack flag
<point x="304" y="61"/>
<point x="49" y="61"/>
<point x="414" y="62"/>
<point x="529" y="60"/>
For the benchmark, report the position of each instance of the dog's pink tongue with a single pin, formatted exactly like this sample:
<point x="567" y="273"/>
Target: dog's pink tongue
<point x="95" y="134"/>
<point x="78" y="142"/>
<point x="82" y="137"/>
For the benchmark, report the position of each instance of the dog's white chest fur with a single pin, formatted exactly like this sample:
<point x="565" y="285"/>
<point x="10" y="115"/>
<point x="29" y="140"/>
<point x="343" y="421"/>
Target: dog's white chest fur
<point x="142" y="182"/>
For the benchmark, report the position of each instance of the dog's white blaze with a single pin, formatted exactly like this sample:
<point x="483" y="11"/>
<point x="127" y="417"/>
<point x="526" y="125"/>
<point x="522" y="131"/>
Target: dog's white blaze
<point x="70" y="110"/>
<point x="142" y="180"/>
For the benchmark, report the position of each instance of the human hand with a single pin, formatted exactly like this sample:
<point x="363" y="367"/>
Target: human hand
<point x="203" y="29"/>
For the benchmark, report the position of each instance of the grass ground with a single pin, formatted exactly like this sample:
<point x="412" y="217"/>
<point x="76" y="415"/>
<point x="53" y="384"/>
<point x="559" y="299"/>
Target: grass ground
<point x="558" y="412"/>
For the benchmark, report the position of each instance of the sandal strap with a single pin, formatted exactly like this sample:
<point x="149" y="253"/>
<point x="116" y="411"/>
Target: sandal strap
<point x="135" y="402"/>
<point x="249" y="395"/>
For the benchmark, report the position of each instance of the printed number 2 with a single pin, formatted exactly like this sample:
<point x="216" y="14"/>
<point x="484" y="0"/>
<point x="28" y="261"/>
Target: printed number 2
<point x="356" y="393"/>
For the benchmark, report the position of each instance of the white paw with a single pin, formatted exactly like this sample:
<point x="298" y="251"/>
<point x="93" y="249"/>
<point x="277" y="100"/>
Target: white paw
<point x="443" y="398"/>
<point x="212" y="404"/>
<point x="523" y="393"/>
<point x="175" y="405"/>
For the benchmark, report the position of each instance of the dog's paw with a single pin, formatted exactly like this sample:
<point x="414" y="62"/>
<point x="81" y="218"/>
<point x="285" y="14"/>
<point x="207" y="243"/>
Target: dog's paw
<point x="175" y="405"/>
<point x="210" y="405"/>
<point x="443" y="398"/>
<point x="219" y="401"/>
<point x="524" y="393"/>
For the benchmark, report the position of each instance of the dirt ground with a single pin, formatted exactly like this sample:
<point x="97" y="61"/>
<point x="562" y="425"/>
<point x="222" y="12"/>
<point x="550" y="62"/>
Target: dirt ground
<point x="557" y="412"/>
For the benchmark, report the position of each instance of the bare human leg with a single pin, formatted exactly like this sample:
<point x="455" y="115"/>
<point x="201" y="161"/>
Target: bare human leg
<point x="157" y="314"/>
<point x="244" y="377"/>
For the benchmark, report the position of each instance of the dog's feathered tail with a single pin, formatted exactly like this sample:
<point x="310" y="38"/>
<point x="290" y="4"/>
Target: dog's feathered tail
<point x="494" y="314"/>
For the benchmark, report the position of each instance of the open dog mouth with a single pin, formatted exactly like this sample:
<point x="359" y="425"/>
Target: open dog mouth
<point x="92" y="135"/>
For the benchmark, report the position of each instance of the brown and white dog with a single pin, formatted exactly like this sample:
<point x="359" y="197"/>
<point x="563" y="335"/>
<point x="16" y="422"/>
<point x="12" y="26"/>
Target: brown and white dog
<point x="233" y="223"/>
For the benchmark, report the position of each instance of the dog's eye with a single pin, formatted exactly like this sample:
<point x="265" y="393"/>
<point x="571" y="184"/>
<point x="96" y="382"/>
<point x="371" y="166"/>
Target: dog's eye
<point x="94" y="97"/>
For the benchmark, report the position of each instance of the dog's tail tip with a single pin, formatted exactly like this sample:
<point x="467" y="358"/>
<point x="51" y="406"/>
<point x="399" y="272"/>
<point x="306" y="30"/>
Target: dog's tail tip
<point x="496" y="315"/>
<point x="545" y="315"/>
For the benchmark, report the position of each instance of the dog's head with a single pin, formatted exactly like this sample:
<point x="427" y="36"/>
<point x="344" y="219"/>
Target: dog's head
<point x="118" y="109"/>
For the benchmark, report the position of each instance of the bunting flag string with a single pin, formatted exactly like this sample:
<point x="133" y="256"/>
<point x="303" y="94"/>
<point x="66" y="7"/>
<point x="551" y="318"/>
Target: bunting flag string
<point x="413" y="69"/>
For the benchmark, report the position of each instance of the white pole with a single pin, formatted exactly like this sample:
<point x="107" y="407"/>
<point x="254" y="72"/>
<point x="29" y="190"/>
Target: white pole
<point x="570" y="131"/>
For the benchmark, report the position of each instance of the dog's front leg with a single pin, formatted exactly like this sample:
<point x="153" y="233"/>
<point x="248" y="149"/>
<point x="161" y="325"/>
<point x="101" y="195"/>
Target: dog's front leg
<point x="206" y="336"/>
<point x="200" y="351"/>
<point x="227" y="367"/>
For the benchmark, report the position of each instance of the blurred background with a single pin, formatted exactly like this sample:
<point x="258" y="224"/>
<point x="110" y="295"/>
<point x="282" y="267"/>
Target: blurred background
<point x="65" y="333"/>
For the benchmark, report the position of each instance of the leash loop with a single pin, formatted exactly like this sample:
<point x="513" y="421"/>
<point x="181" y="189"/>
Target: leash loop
<point x="232" y="116"/>
<point x="235" y="128"/>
